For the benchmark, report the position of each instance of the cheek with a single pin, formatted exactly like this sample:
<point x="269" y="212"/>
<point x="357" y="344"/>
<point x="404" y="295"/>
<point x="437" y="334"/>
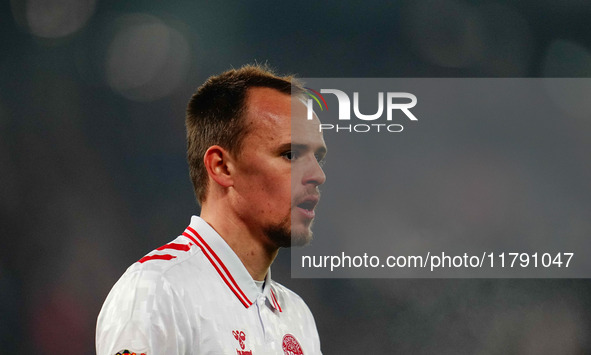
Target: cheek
<point x="276" y="195"/>
<point x="265" y="190"/>
<point x="266" y="186"/>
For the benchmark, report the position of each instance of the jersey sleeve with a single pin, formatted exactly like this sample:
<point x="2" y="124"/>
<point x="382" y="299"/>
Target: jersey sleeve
<point x="144" y="315"/>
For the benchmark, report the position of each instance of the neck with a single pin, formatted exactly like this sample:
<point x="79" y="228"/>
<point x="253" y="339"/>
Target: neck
<point x="250" y="247"/>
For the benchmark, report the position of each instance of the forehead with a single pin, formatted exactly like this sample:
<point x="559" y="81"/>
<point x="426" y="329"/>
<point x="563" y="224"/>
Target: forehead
<point x="267" y="108"/>
<point x="274" y="116"/>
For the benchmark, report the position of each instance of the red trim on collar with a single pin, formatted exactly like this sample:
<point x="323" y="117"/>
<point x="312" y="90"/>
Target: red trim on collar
<point x="275" y="302"/>
<point x="224" y="273"/>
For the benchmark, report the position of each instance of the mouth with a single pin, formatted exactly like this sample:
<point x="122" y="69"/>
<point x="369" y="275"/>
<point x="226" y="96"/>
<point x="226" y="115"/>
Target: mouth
<point x="307" y="205"/>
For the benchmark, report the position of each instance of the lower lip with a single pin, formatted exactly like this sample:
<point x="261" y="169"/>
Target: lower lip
<point x="306" y="213"/>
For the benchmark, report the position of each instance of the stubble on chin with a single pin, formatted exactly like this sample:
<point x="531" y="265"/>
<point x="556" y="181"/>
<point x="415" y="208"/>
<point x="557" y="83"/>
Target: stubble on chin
<point x="282" y="235"/>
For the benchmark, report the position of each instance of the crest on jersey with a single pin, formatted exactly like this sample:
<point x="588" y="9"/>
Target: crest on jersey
<point x="291" y="345"/>
<point x="241" y="337"/>
<point x="127" y="352"/>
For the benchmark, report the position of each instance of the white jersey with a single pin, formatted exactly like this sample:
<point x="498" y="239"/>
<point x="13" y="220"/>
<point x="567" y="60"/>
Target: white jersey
<point x="194" y="296"/>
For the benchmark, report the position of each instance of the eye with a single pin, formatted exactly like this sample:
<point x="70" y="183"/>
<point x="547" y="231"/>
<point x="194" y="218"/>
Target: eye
<point x="290" y="155"/>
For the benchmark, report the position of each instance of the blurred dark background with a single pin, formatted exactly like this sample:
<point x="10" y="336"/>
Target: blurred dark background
<point x="93" y="172"/>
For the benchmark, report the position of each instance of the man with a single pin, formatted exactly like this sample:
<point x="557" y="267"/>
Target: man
<point x="256" y="173"/>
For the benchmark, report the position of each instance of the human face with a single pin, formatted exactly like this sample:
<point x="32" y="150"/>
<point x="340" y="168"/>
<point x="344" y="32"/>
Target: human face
<point x="277" y="170"/>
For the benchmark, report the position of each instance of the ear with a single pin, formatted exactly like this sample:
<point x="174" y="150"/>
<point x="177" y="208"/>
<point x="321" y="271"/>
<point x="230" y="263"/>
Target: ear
<point x="217" y="161"/>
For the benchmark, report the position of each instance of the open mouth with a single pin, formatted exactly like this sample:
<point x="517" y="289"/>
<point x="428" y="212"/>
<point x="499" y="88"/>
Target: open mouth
<point x="306" y="207"/>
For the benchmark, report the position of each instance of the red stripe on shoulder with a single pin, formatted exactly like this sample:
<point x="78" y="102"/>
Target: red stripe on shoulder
<point x="175" y="246"/>
<point x="156" y="257"/>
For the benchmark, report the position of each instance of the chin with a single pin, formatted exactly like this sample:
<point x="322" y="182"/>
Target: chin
<point x="301" y="238"/>
<point x="286" y="234"/>
<point x="286" y="237"/>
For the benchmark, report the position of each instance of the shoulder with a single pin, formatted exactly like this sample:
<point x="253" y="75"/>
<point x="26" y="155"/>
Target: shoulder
<point x="157" y="278"/>
<point x="288" y="299"/>
<point x="146" y="279"/>
<point x="159" y="273"/>
<point x="162" y="259"/>
<point x="285" y="292"/>
<point x="147" y="301"/>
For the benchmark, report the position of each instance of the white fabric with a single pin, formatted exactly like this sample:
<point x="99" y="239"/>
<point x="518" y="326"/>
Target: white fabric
<point x="260" y="285"/>
<point x="194" y="296"/>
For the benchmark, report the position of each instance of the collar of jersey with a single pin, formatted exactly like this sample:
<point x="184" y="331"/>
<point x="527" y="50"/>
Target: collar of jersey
<point x="227" y="264"/>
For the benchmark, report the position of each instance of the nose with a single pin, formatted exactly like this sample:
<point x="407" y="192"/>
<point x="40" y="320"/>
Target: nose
<point x="314" y="174"/>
